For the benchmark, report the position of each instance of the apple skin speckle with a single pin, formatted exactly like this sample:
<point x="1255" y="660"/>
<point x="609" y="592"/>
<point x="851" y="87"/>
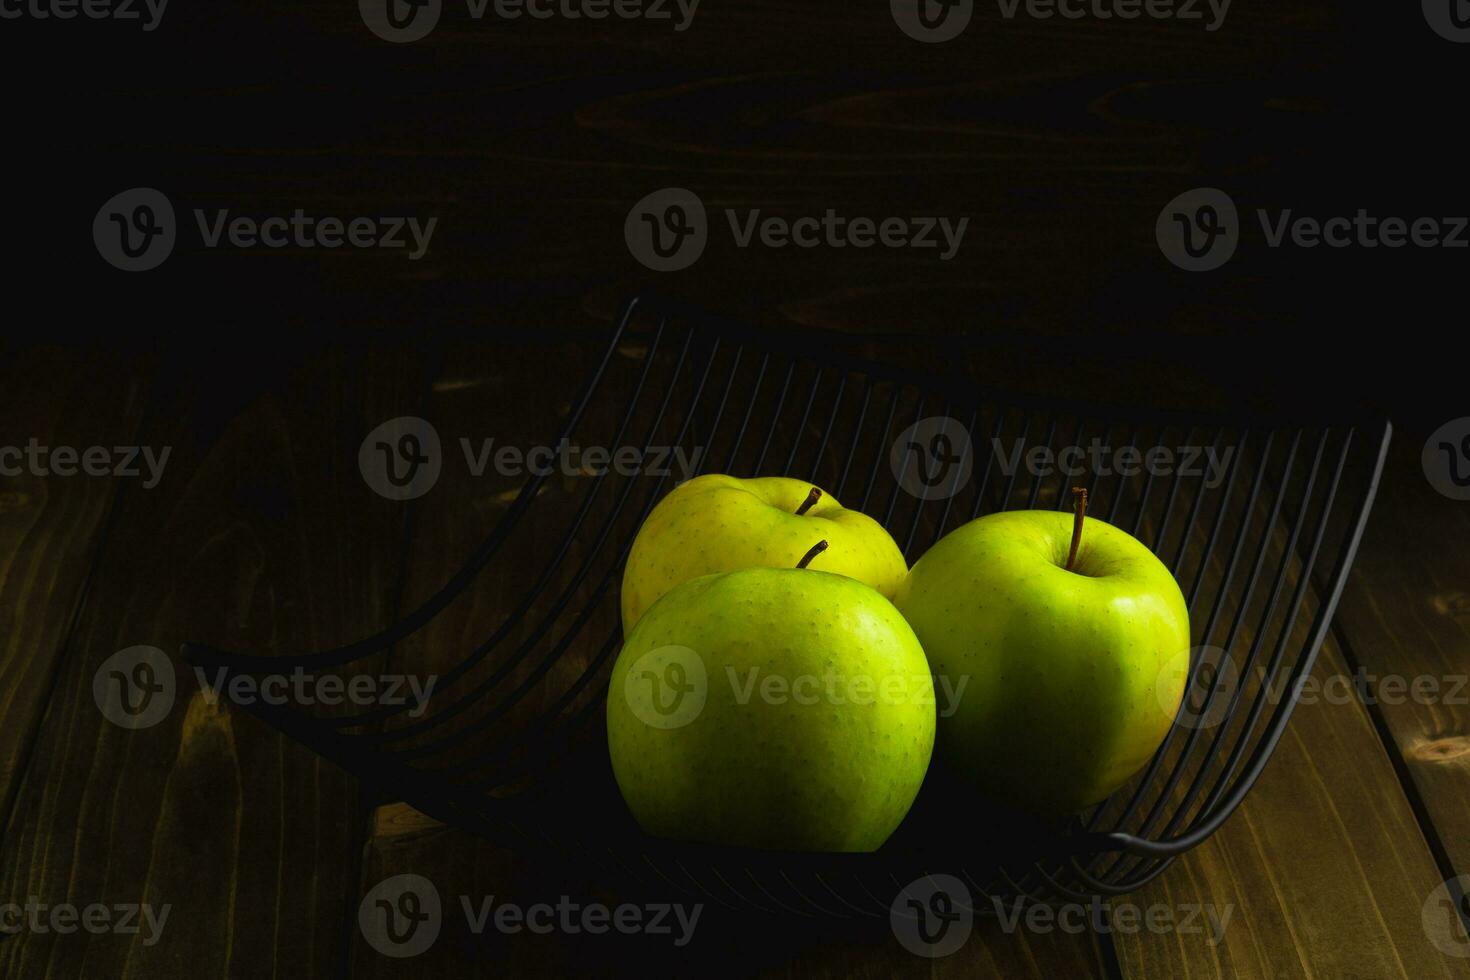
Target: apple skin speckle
<point x="817" y="772"/>
<point x="1063" y="667"/>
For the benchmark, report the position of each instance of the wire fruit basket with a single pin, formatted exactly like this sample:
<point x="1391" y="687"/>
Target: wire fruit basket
<point x="511" y="744"/>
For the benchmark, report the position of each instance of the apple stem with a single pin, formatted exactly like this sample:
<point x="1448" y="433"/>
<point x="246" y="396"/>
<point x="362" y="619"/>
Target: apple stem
<point x="1079" y="510"/>
<point x="811" y="500"/>
<point x="817" y="549"/>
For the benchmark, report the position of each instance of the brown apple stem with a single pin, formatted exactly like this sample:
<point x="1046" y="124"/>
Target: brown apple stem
<point x="809" y="502"/>
<point x="817" y="549"/>
<point x="1079" y="510"/>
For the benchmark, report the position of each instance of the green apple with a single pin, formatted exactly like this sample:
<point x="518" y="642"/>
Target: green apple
<point x="717" y="523"/>
<point x="1070" y="652"/>
<point x="787" y="709"/>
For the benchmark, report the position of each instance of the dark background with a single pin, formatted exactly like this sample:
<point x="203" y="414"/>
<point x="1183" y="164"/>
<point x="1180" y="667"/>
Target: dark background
<point x="529" y="141"/>
<point x="1060" y="140"/>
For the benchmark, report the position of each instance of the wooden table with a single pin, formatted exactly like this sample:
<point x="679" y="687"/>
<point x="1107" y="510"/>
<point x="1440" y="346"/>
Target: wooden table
<point x="262" y="369"/>
<point x="261" y="536"/>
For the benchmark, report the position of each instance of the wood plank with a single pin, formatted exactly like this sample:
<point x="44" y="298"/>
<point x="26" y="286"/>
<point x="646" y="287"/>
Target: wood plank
<point x="264" y="537"/>
<point x="1406" y="619"/>
<point x="50" y="524"/>
<point x="1324" y="864"/>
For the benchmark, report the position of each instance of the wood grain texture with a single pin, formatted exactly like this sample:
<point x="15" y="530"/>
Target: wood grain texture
<point x="1406" y="616"/>
<point x="1324" y="866"/>
<point x="262" y="536"/>
<point x="1328" y="808"/>
<point x="50" y="525"/>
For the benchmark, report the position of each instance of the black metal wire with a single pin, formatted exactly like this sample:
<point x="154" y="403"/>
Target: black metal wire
<point x="447" y="776"/>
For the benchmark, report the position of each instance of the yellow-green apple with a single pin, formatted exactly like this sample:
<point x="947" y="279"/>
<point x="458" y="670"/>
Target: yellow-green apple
<point x="787" y="709"/>
<point x="717" y="523"/>
<point x="1069" y="632"/>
